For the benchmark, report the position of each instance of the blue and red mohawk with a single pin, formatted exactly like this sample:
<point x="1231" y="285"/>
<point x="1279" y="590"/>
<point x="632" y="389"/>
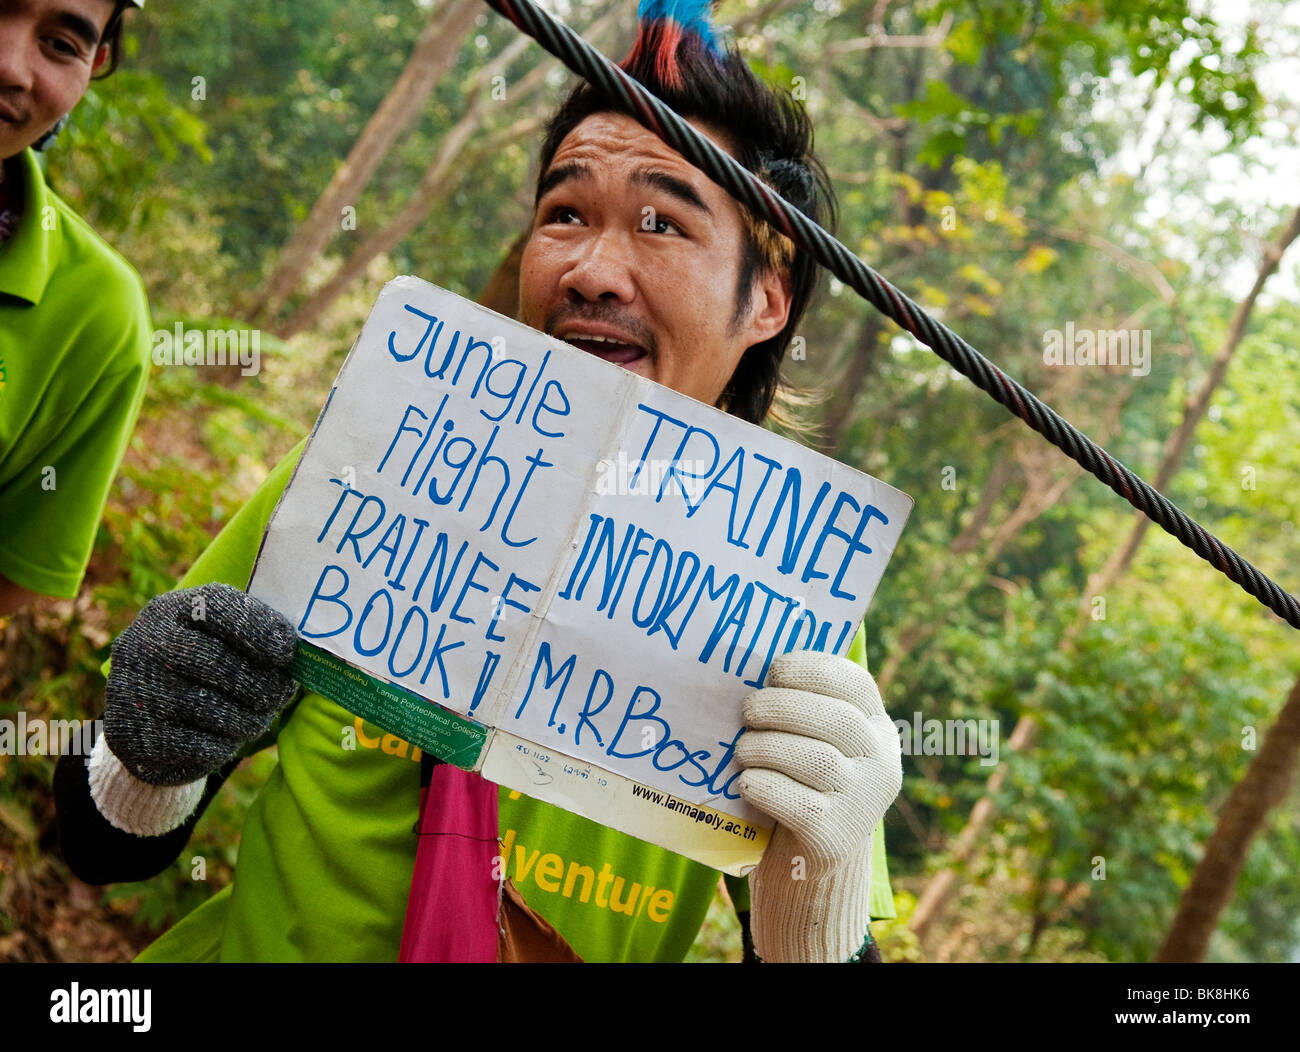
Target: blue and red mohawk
<point x="662" y="27"/>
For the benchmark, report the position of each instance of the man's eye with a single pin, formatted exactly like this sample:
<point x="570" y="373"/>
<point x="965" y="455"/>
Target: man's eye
<point x="657" y="224"/>
<point x="64" y="48"/>
<point x="561" y="214"/>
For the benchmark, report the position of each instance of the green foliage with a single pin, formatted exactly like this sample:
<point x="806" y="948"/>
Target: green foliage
<point x="720" y="940"/>
<point x="1142" y="726"/>
<point x="126" y="132"/>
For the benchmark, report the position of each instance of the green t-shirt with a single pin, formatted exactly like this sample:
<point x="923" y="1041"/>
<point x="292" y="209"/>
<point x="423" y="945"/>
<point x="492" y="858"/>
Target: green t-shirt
<point x="74" y="359"/>
<point x="327" y="851"/>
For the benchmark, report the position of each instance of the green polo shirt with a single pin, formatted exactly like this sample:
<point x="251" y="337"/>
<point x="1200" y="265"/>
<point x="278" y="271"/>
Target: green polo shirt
<point x="74" y="359"/>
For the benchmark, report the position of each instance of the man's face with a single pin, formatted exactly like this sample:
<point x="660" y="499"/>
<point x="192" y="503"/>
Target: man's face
<point x="48" y="50"/>
<point x="631" y="243"/>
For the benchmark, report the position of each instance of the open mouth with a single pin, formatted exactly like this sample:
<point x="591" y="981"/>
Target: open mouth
<point x="613" y="349"/>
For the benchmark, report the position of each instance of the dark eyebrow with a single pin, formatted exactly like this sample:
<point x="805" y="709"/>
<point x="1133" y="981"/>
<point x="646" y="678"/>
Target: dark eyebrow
<point x="653" y="179"/>
<point x="561" y="174"/>
<point x="82" y="28"/>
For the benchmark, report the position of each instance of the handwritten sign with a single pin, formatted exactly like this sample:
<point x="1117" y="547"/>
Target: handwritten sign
<point x="539" y="565"/>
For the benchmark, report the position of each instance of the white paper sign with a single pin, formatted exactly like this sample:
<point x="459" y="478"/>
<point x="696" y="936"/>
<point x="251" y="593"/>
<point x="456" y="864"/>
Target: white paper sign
<point x="553" y="548"/>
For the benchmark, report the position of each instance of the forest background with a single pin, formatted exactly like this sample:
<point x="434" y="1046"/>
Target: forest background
<point x="1016" y="167"/>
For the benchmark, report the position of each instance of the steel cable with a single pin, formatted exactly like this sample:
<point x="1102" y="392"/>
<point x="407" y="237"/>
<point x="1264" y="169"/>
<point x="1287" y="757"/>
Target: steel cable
<point x="764" y="202"/>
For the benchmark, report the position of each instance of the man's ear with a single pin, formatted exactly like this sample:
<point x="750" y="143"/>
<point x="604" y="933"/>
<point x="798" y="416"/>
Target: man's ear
<point x="770" y="305"/>
<point x="101" y="56"/>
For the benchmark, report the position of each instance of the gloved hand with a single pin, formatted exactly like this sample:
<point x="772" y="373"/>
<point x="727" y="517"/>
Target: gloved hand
<point x="197" y="675"/>
<point x="821" y="756"/>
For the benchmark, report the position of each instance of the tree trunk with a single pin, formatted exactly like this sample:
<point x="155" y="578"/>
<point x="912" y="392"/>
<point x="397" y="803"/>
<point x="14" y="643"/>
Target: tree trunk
<point x="501" y="293"/>
<point x="1265" y="784"/>
<point x="860" y="363"/>
<point x="435" y="182"/>
<point x="434" y="52"/>
<point x="437" y="178"/>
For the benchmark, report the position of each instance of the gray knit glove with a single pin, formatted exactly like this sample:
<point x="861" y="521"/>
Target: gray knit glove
<point x="199" y="673"/>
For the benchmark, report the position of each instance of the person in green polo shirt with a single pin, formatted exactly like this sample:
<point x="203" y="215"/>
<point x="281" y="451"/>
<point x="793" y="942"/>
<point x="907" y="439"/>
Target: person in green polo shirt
<point x="74" y="323"/>
<point x="636" y="257"/>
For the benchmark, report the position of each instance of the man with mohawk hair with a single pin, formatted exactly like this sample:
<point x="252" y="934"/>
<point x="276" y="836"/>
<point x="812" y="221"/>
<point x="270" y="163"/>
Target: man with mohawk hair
<point x="634" y="256"/>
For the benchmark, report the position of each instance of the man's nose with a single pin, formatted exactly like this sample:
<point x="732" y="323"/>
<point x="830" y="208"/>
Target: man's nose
<point x="15" y="56"/>
<point x="604" y="269"/>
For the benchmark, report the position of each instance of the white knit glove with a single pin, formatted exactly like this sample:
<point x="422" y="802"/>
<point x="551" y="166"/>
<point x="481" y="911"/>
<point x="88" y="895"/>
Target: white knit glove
<point x="822" y="758"/>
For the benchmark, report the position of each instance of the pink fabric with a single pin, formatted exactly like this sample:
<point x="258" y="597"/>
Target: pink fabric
<point x="451" y="915"/>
